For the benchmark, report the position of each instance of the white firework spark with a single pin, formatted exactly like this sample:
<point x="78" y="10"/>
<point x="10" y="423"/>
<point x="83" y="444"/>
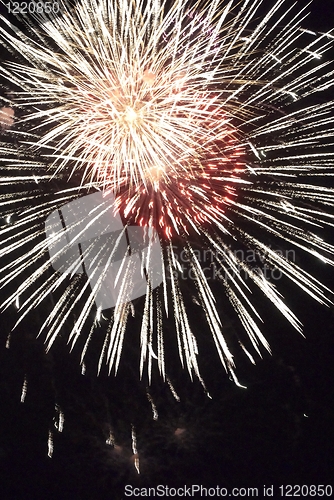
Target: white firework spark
<point x="202" y="121"/>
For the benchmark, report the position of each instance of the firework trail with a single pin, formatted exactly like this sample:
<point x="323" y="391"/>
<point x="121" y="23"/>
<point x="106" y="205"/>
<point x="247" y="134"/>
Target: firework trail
<point x="208" y="125"/>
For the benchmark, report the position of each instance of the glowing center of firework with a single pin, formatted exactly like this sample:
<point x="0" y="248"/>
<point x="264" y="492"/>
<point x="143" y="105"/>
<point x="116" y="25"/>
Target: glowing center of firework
<point x="130" y="115"/>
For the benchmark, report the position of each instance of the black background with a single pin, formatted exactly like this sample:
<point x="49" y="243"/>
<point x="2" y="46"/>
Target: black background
<point x="277" y="431"/>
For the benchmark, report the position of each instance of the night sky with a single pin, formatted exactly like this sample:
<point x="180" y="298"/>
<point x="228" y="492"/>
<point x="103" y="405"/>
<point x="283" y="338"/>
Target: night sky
<point x="278" y="431"/>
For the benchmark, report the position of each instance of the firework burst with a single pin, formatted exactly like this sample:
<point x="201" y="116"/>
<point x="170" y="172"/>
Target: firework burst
<point x="203" y="122"/>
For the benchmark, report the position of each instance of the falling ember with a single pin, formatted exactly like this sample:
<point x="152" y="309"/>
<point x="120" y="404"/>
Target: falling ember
<point x="134" y="449"/>
<point x="8" y="341"/>
<point x="176" y="396"/>
<point x="207" y="123"/>
<point x="59" y="422"/>
<point x="111" y="439"/>
<point x="154" y="408"/>
<point x="24" y="389"/>
<point x="50" y="444"/>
